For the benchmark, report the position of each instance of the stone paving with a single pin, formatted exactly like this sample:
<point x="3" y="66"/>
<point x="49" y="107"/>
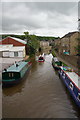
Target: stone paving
<point x="6" y="62"/>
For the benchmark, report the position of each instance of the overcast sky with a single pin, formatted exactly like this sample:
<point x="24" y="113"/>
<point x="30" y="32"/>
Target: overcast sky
<point x="40" y="18"/>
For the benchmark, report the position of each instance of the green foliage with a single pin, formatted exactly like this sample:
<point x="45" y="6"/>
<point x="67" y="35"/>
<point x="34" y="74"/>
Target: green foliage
<point x="44" y="38"/>
<point x="16" y="36"/>
<point x="32" y="42"/>
<point x="64" y="64"/>
<point x="53" y="53"/>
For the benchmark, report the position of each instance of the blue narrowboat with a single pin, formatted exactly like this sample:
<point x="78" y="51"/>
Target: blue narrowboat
<point x="72" y="82"/>
<point x="15" y="73"/>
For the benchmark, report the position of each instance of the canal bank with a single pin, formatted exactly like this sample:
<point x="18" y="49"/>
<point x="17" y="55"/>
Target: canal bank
<point x="69" y="60"/>
<point x="41" y="95"/>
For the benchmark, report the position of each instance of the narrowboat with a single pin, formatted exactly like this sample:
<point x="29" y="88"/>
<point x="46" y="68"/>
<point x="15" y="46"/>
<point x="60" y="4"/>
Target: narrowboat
<point x="56" y="63"/>
<point x="41" y="59"/>
<point x="15" y="73"/>
<point x="72" y="82"/>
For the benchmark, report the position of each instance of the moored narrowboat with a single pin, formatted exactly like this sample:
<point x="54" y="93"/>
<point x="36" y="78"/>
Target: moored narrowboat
<point x="15" y="73"/>
<point x="56" y="63"/>
<point x="72" y="82"/>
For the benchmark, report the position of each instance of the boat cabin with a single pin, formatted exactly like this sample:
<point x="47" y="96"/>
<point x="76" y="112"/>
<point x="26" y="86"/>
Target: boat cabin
<point x="15" y="71"/>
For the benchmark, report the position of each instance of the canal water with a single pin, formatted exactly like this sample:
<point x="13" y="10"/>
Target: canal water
<point x="40" y="95"/>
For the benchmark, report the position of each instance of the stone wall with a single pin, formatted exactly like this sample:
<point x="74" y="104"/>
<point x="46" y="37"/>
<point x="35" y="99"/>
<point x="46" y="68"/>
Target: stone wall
<point x="73" y="44"/>
<point x="73" y="60"/>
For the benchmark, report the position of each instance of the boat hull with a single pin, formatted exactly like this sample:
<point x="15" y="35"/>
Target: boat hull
<point x="56" y="63"/>
<point x="55" y="67"/>
<point x="12" y="82"/>
<point x="73" y="92"/>
<point x="40" y="60"/>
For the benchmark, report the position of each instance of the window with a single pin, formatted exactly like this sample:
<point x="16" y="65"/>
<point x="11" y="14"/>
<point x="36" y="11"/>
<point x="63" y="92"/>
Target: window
<point x="61" y="72"/>
<point x="71" y="85"/>
<point x="79" y="96"/>
<point x="11" y="75"/>
<point x="64" y="75"/>
<point x="15" y="54"/>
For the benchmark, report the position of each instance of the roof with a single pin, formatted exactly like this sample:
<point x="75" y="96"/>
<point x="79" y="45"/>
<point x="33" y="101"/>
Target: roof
<point x="13" y="68"/>
<point x="70" y="34"/>
<point x="17" y="39"/>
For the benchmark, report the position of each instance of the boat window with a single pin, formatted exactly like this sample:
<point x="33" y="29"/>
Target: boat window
<point x="11" y="74"/>
<point x="71" y="85"/>
<point x="41" y="58"/>
<point x="61" y="72"/>
<point x="79" y="96"/>
<point x="63" y="75"/>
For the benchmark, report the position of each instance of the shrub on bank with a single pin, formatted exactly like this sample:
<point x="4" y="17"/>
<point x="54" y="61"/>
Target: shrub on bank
<point x="53" y="53"/>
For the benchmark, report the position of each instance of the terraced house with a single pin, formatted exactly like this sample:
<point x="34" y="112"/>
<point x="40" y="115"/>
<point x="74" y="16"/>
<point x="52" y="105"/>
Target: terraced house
<point x="68" y="43"/>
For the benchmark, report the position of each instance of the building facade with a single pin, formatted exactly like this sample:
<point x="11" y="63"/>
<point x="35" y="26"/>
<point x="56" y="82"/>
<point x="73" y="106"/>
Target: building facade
<point x="18" y="47"/>
<point x="11" y="51"/>
<point x="68" y="43"/>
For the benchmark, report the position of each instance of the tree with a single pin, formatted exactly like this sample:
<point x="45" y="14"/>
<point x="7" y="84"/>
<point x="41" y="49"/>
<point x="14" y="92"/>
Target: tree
<point x="32" y="42"/>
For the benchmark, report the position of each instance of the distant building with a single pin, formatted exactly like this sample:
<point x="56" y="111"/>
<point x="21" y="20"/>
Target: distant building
<point x="44" y="43"/>
<point x="45" y="46"/>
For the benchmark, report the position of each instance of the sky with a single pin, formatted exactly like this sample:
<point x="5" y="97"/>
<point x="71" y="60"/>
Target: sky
<point x="40" y="18"/>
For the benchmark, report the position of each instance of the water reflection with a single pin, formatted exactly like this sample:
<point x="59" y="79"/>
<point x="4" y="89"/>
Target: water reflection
<point x="10" y="91"/>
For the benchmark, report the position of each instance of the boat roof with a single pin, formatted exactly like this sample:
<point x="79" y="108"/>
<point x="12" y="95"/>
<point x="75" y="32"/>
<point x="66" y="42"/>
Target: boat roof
<point x="13" y="68"/>
<point x="73" y="76"/>
<point x="55" y="59"/>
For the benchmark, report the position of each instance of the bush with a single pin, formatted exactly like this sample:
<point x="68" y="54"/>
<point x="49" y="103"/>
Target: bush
<point x="53" y="53"/>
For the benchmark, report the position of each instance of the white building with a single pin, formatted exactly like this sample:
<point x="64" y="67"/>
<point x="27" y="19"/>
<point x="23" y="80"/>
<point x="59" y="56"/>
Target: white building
<point x="10" y="51"/>
<point x="17" y="51"/>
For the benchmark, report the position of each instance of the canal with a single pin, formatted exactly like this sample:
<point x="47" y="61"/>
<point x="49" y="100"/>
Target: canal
<point x="41" y="95"/>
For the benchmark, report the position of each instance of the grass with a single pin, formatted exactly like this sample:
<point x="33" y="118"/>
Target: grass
<point x="64" y="64"/>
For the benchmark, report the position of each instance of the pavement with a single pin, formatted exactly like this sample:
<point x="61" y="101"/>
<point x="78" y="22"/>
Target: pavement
<point x="6" y="62"/>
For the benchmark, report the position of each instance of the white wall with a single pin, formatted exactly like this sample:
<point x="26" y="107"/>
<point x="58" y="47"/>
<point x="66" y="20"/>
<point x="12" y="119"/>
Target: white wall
<point x="20" y="54"/>
<point x="10" y="53"/>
